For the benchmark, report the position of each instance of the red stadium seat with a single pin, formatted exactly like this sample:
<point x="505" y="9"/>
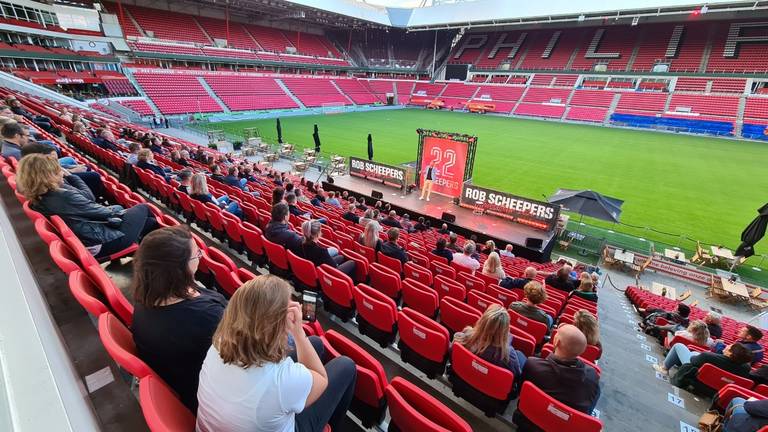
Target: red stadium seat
<point x="730" y="391"/>
<point x="46" y="231"/>
<point x="535" y="328"/>
<point x="278" y="258"/>
<point x="413" y="409"/>
<point x="304" y="274"/>
<point x="361" y="265"/>
<point x="715" y="378"/>
<point x="224" y="270"/>
<point x="215" y="220"/>
<point x="449" y="288"/>
<point x="483" y="384"/>
<point x="369" y="403"/>
<point x="233" y="230"/>
<point x="118" y="341"/>
<point x="367" y="252"/>
<point x="63" y="256"/>
<point x="337" y="291"/>
<point x="418" y="273"/>
<point x="163" y="411"/>
<point x="385" y="280"/>
<point x="522" y="341"/>
<point x="442" y="269"/>
<point x="117" y="302"/>
<point x="471" y="282"/>
<point x="481" y="301"/>
<point x="456" y="315"/>
<point x="376" y="315"/>
<point x="253" y="242"/>
<point x="418" y="258"/>
<point x="423" y="342"/>
<point x="551" y="415"/>
<point x="420" y="297"/>
<point x="389" y="262"/>
<point x="505" y="296"/>
<point x="87" y="293"/>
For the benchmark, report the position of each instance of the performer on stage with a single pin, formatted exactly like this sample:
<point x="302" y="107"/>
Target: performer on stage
<point x="430" y="175"/>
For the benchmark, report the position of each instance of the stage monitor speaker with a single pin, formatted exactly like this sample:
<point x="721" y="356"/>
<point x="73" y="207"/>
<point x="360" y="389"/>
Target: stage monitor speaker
<point x="448" y="217"/>
<point x="377" y="195"/>
<point x="534" y="243"/>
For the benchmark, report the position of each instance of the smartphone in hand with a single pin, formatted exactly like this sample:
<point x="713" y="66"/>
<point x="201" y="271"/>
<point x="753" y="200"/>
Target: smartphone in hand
<point x="308" y="306"/>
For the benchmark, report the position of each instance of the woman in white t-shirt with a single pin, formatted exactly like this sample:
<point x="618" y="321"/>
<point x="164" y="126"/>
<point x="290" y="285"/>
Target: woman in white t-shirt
<point x="250" y="382"/>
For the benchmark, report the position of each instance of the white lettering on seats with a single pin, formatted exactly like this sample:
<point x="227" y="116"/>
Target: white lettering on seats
<point x="558" y="412"/>
<point x="522" y="323"/>
<point x="368" y="305"/>
<point x="327" y="281"/>
<point x="480" y="368"/>
<point x="419" y="334"/>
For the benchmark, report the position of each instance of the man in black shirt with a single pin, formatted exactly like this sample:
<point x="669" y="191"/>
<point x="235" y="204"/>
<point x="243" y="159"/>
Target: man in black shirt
<point x="444" y="229"/>
<point x="391" y="249"/>
<point x="563" y="375"/>
<point x="512" y="283"/>
<point x="350" y="215"/>
<point x="278" y="231"/>
<point x="561" y="279"/>
<point x="442" y="251"/>
<point x="391" y="220"/>
<point x="185" y="180"/>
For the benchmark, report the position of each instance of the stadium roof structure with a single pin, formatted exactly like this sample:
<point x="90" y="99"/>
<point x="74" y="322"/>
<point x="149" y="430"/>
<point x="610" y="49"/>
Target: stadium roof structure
<point x="487" y="13"/>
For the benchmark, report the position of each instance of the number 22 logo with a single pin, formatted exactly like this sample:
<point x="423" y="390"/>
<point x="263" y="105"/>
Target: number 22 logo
<point x="448" y="159"/>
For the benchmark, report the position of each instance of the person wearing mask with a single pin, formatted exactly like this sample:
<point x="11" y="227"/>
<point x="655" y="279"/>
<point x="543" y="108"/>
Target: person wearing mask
<point x="250" y="382"/>
<point x="587" y="323"/>
<point x="391" y="220"/>
<point x="491" y="340"/>
<point x="311" y="250"/>
<point x="104" y="230"/>
<point x="713" y="324"/>
<point x="370" y="236"/>
<point x="173" y="318"/>
<point x="441" y="250"/>
<point x="465" y="257"/>
<point x="198" y="190"/>
<point x="563" y="375"/>
<point x="533" y="294"/>
<point x="278" y="231"/>
<point x="391" y="249"/>
<point x="492" y="266"/>
<point x="529" y="274"/>
<point x="561" y="279"/>
<point x="350" y="214"/>
<point x="749" y="337"/>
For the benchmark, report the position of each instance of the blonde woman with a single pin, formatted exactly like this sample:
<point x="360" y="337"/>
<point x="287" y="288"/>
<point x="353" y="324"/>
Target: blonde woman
<point x="198" y="190"/>
<point x="492" y="266"/>
<point x="370" y="236"/>
<point x="490" y="340"/>
<point x="697" y="332"/>
<point x="250" y="382"/>
<point x="587" y="323"/>
<point x="53" y="191"/>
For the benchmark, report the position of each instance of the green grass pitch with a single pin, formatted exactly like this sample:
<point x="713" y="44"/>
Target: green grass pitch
<point x="705" y="188"/>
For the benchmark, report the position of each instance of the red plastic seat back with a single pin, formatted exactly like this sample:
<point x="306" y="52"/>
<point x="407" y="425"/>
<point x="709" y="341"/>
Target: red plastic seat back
<point x="535" y="328"/>
<point x="376" y="307"/>
<point x="63" y="256"/>
<point x="389" y="262"/>
<point x="551" y="415"/>
<point x="505" y="296"/>
<point x="420" y="297"/>
<point x="487" y="378"/>
<point x="412" y="409"/>
<point x="371" y="379"/>
<point x="252" y="238"/>
<point x="522" y="341"/>
<point x="118" y="341"/>
<point x="457" y="315"/>
<point x="303" y="270"/>
<point x="442" y="269"/>
<point x="471" y="282"/>
<point x="87" y="293"/>
<point x="385" y="280"/>
<point x="449" y="288"/>
<point x="276" y="254"/>
<point x="481" y="301"/>
<point x="418" y="273"/>
<point x="117" y="301"/>
<point x="425" y="336"/>
<point x="361" y="264"/>
<point x="716" y="378"/>
<point x="163" y="411"/>
<point x="336" y="285"/>
<point x="46" y="231"/>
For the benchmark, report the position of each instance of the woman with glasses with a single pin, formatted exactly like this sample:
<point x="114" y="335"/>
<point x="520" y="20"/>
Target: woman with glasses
<point x="173" y="319"/>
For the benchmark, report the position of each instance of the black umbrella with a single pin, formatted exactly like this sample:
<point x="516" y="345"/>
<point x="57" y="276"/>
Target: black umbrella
<point x="279" y="132"/>
<point x="370" y="147"/>
<point x="316" y="137"/>
<point x="588" y="203"/>
<point x="753" y="233"/>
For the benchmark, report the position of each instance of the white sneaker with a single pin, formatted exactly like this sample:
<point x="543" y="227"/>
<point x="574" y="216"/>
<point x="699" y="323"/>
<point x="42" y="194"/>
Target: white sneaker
<point x="421" y="198"/>
<point x="427" y="199"/>
<point x="660" y="369"/>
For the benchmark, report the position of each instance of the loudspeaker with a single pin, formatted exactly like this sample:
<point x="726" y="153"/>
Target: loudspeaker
<point x="534" y="243"/>
<point x="377" y="195"/>
<point x="448" y="217"/>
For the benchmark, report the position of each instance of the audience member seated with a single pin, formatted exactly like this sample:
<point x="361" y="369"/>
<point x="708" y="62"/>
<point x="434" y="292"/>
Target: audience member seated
<point x="350" y="214"/>
<point x="489" y="247"/>
<point x="492" y="266"/>
<point x="491" y="340"/>
<point x="278" y="194"/>
<point x="41" y="121"/>
<point x="173" y="319"/>
<point x="678" y="320"/>
<point x="743" y="415"/>
<point x="391" y="249"/>
<point x="562" y="375"/>
<point x="104" y="230"/>
<point x="216" y="173"/>
<point x="507" y="252"/>
<point x="198" y="190"/>
<point x="133" y="153"/>
<point x="587" y="323"/>
<point x="367" y="217"/>
<point x="318" y="254"/>
<point x="91" y="179"/>
<point x="452" y="245"/>
<point x="442" y="250"/>
<point x="332" y="200"/>
<point x="734" y="359"/>
<point x="250" y="382"/>
<point x="406" y="224"/>
<point x="319" y="198"/>
<point x="278" y="231"/>
<point x="444" y="229"/>
<point x="697" y="332"/>
<point x="185" y="180"/>
<point x="748" y="336"/>
<point x="145" y="160"/>
<point x="465" y="259"/>
<point x="391" y="220"/>
<point x="533" y="294"/>
<point x="585" y="290"/>
<point x="713" y="325"/>
<point x="15" y="136"/>
<point x="561" y="279"/>
<point x="105" y="140"/>
<point x="155" y="146"/>
<point x="232" y="178"/>
<point x="290" y="199"/>
<point x="370" y="236"/>
<point x="420" y="225"/>
<point x="529" y="274"/>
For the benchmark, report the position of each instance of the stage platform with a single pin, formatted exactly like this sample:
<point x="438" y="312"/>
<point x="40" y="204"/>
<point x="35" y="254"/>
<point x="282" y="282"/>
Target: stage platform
<point x="487" y="227"/>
